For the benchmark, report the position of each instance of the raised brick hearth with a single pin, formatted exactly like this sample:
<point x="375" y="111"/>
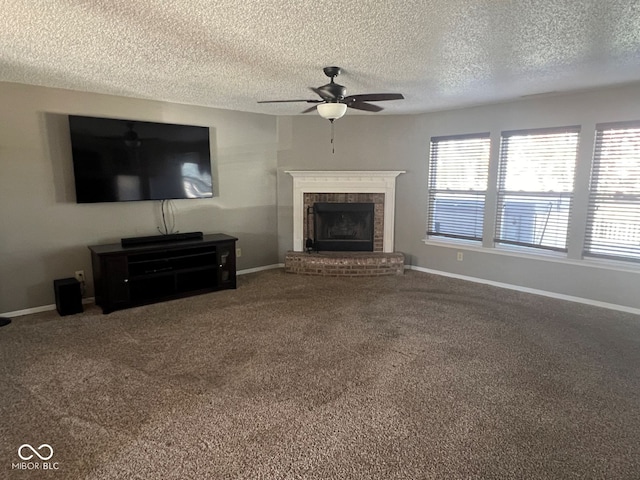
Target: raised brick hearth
<point x="344" y="264"/>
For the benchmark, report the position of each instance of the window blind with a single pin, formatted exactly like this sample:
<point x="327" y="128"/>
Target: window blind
<point x="458" y="172"/>
<point x="535" y="187"/>
<point x="613" y="220"/>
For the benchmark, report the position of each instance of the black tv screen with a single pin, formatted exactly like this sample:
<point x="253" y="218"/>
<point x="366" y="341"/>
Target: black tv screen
<point x="126" y="160"/>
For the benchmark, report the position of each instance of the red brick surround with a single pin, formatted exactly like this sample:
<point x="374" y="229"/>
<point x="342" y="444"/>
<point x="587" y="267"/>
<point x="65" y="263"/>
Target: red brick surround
<point x="378" y="217"/>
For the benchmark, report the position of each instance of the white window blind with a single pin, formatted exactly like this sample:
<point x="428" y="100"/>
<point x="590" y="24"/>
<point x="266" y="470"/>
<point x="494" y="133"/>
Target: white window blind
<point x="613" y="221"/>
<point x="458" y="171"/>
<point x="535" y="187"/>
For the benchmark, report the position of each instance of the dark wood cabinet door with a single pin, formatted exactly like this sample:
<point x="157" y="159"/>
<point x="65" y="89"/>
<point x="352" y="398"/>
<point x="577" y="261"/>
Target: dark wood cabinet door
<point x="116" y="279"/>
<point x="227" y="265"/>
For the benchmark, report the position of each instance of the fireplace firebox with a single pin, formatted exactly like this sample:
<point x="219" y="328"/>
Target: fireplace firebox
<point x="345" y="227"/>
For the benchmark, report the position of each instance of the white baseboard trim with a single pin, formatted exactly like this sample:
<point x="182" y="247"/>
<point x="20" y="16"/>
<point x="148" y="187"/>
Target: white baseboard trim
<point x="560" y="296"/>
<point x="43" y="308"/>
<point x="27" y="311"/>
<point x="260" y="269"/>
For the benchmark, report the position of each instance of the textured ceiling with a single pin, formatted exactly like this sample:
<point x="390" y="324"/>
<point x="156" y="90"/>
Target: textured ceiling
<point x="440" y="54"/>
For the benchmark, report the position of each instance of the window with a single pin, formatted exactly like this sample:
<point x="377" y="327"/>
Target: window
<point x="458" y="170"/>
<point x="613" y="221"/>
<point x="535" y="187"/>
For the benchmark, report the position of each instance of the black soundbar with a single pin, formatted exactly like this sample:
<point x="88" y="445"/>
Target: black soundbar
<point x="171" y="237"/>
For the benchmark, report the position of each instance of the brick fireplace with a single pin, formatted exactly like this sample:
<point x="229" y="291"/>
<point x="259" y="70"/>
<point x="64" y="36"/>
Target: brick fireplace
<point x="376" y="188"/>
<point x="312" y="201"/>
<point x="348" y="186"/>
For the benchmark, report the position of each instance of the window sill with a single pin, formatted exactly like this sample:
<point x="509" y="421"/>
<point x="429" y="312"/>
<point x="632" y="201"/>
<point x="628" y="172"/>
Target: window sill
<point x="544" y="256"/>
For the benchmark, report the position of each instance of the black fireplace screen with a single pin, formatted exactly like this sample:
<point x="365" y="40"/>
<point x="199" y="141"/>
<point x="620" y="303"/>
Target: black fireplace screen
<point x="343" y="226"/>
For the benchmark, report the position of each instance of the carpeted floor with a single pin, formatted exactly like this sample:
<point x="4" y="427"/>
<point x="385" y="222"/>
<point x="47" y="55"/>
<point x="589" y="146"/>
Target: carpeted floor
<point x="294" y="377"/>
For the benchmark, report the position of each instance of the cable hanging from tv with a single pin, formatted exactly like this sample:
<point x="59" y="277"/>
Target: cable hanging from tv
<point x="167" y="210"/>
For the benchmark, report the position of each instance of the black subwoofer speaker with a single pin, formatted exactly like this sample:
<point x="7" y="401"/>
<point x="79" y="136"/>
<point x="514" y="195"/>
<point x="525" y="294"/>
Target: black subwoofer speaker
<point x="68" y="296"/>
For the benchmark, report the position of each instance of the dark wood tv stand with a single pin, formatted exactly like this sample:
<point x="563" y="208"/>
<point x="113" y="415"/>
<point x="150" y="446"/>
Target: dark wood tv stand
<point x="128" y="276"/>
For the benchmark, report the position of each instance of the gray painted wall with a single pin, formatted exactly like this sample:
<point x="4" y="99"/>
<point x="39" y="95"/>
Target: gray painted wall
<point x="378" y="142"/>
<point x="44" y="234"/>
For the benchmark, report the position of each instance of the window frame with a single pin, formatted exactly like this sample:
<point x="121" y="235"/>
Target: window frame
<point x="502" y="194"/>
<point x="433" y="192"/>
<point x="597" y="196"/>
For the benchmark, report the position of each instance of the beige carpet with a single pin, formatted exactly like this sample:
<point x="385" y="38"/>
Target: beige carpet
<point x="293" y="377"/>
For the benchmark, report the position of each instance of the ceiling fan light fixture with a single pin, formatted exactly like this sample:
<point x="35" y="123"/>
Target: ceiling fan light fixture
<point x="332" y="110"/>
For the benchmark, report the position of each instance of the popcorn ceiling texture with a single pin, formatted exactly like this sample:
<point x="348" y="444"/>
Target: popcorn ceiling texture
<point x="228" y="54"/>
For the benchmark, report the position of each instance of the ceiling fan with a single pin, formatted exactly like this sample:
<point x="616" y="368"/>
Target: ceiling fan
<point x="334" y="101"/>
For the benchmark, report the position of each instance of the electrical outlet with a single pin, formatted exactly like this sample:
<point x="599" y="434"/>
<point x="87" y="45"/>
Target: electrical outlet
<point x="80" y="276"/>
<point x="460" y="256"/>
<point x="238" y="252"/>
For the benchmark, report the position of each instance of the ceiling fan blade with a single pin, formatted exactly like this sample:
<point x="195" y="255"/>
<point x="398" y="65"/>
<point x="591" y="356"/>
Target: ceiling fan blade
<point x="333" y="92"/>
<point x="324" y="94"/>
<point x="369" y="107"/>
<point x="287" y="101"/>
<point x="374" y="97"/>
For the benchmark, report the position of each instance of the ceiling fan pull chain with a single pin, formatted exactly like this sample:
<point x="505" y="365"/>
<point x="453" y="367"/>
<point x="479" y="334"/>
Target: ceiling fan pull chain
<point x="333" y="147"/>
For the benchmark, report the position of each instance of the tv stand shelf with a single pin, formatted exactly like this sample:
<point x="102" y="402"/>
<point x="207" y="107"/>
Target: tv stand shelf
<point x="124" y="277"/>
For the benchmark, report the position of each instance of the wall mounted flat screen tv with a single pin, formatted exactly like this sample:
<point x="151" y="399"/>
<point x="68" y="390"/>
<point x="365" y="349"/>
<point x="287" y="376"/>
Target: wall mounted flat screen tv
<point x="126" y="160"/>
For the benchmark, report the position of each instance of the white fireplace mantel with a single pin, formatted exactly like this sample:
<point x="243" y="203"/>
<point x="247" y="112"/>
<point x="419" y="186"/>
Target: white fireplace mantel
<point x="316" y="181"/>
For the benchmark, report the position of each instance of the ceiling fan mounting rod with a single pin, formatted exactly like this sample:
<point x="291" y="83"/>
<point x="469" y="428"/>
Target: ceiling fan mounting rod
<point x="331" y="72"/>
<point x="334" y="92"/>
